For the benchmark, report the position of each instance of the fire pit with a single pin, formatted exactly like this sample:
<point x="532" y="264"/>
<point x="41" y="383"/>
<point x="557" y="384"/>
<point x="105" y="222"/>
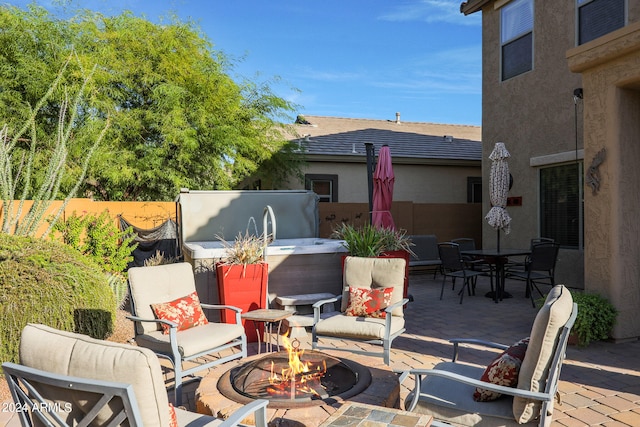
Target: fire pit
<point x="304" y="386"/>
<point x="295" y="379"/>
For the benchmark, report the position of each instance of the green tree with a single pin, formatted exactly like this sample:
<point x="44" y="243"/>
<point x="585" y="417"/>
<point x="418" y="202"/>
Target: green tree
<point x="177" y="118"/>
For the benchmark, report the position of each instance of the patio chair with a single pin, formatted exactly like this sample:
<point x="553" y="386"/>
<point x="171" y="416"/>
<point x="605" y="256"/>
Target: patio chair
<point x="68" y="379"/>
<point x="371" y="305"/>
<point x="455" y="267"/>
<point x="513" y="266"/>
<point x="538" y="269"/>
<point x="528" y="383"/>
<point x="162" y="286"/>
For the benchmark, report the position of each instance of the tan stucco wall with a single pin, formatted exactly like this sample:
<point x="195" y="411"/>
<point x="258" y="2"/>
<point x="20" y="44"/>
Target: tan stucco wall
<point x="533" y="114"/>
<point x="415" y="183"/>
<point x="610" y="68"/>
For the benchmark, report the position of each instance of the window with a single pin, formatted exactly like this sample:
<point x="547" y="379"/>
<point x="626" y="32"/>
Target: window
<point x="561" y="204"/>
<point x="516" y="38"/>
<point x="474" y="189"/>
<point x="325" y="186"/>
<point x="599" y="17"/>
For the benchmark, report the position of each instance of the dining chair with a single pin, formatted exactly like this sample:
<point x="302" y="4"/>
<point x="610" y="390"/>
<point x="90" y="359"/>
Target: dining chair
<point x="477" y="264"/>
<point x="454" y="266"/>
<point x="539" y="268"/>
<point x="518" y="265"/>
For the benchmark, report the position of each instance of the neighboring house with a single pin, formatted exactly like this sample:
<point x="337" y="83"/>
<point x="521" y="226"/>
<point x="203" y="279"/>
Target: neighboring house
<point x="433" y="163"/>
<point x="561" y="82"/>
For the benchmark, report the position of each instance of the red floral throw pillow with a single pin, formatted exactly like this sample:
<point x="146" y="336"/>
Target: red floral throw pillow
<point x="503" y="370"/>
<point x="364" y="302"/>
<point x="173" y="418"/>
<point x="185" y="311"/>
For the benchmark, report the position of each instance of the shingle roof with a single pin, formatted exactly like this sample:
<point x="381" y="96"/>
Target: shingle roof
<point x="332" y="136"/>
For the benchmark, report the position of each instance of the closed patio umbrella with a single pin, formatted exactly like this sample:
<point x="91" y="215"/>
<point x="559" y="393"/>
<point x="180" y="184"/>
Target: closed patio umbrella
<point x="498" y="217"/>
<point x="383" y="180"/>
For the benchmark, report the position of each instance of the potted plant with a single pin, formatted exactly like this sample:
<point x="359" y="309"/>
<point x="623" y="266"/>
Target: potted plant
<point x="594" y="321"/>
<point x="370" y="241"/>
<point x="242" y="278"/>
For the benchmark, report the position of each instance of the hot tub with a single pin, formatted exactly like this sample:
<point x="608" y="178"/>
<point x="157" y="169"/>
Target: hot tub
<point x="296" y="266"/>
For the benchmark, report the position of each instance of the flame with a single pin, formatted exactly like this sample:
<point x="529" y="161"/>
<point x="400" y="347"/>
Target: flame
<point x="298" y="378"/>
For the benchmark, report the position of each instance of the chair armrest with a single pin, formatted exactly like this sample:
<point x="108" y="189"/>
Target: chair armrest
<point x="320" y="303"/>
<point x="140" y="319"/>
<point x="317" y="307"/>
<point x="221" y="307"/>
<point x="390" y="308"/>
<point x="510" y="391"/>
<point x="457" y="341"/>
<point x="257" y="407"/>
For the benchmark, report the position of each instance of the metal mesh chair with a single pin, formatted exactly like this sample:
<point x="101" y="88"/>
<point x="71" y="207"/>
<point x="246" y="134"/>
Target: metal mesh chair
<point x="455" y="267"/>
<point x="539" y="268"/>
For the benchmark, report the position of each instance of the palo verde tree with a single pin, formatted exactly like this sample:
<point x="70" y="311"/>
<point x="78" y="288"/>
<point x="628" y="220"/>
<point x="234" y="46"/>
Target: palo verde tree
<point x="177" y="117"/>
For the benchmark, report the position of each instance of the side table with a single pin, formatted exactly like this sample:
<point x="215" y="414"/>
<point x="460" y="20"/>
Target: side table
<point x="268" y="316"/>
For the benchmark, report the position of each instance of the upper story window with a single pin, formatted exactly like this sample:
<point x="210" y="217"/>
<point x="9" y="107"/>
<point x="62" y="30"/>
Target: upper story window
<point x="516" y="38"/>
<point x="599" y="17"/>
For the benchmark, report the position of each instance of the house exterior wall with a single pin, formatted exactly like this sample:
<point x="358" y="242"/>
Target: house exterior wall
<point x="610" y="68"/>
<point x="422" y="183"/>
<point x="534" y="115"/>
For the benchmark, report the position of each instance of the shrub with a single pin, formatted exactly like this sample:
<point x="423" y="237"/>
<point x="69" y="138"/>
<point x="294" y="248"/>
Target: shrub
<point x="596" y="317"/>
<point x="47" y="282"/>
<point x="100" y="239"/>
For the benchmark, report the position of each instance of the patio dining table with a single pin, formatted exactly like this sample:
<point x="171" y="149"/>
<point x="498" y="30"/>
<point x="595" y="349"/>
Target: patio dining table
<point x="498" y="258"/>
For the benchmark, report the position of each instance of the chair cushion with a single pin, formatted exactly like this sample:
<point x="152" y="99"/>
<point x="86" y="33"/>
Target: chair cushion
<point x="503" y="370"/>
<point x="372" y="273"/>
<point x="452" y="401"/>
<point x="194" y="340"/>
<point x="185" y="311"/>
<point x="368" y="302"/>
<point x="357" y="327"/>
<point x="537" y="361"/>
<point x="158" y="284"/>
<point x="66" y="353"/>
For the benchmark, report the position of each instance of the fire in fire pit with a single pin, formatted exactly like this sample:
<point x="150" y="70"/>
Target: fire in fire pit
<point x="295" y="378"/>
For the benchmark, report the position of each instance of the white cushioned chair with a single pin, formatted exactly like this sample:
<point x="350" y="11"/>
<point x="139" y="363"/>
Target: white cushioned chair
<point x="164" y="283"/>
<point x="446" y="391"/>
<point x="368" y="273"/>
<point x="82" y="381"/>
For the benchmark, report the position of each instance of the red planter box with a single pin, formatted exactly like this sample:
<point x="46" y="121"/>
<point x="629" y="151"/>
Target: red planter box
<point x="244" y="287"/>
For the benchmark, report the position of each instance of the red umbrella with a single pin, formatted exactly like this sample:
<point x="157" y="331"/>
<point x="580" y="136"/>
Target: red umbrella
<point x="383" y="179"/>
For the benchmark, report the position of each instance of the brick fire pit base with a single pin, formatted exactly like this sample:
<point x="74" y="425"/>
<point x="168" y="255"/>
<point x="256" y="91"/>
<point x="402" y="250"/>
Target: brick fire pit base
<point x="384" y="390"/>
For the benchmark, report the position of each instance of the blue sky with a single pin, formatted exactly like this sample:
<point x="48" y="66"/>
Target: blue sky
<point x="343" y="58"/>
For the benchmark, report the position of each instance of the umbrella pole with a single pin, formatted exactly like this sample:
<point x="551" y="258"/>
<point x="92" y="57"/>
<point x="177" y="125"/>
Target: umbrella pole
<point x="370" y="159"/>
<point x="498" y="231"/>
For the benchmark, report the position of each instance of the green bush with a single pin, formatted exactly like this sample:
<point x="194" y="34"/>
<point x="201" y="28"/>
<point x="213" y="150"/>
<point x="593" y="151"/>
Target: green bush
<point x="100" y="239"/>
<point x="50" y="283"/>
<point x="596" y="317"/>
